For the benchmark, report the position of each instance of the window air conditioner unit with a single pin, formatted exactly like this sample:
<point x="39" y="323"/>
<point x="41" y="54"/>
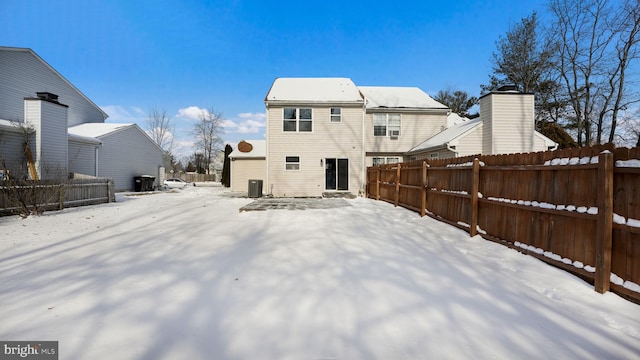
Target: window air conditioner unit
<point x="394" y="133"/>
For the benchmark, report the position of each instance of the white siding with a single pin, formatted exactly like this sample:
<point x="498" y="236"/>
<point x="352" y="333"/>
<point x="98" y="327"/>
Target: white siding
<point x="511" y="123"/>
<point x="328" y="140"/>
<point x="243" y="170"/>
<point x="23" y="74"/>
<point x="485" y="117"/>
<point x="415" y="129"/>
<point x="128" y="153"/>
<point x="470" y="143"/>
<point x="50" y="123"/>
<point x="82" y="157"/>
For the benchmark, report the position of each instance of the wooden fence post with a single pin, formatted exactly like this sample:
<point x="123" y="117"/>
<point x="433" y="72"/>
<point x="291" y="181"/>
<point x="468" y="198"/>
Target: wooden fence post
<point x="475" y="179"/>
<point x="605" y="222"/>
<point x="61" y="197"/>
<point x="423" y="202"/>
<point x="397" y="201"/>
<point x="378" y="183"/>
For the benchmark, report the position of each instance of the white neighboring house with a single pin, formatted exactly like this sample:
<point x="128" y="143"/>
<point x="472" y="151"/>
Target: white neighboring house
<point x="33" y="93"/>
<point x="119" y="141"/>
<point x="247" y="163"/>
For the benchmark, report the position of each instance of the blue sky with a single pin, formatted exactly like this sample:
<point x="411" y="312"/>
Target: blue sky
<point x="182" y="56"/>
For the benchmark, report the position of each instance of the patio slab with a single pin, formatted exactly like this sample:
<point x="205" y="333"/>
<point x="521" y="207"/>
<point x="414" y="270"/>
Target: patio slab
<point x="264" y="204"/>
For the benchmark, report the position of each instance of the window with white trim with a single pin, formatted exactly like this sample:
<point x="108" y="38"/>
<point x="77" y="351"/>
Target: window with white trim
<point x="382" y="160"/>
<point x="386" y="124"/>
<point x="434" y="156"/>
<point x="292" y="163"/>
<point x="336" y="114"/>
<point x="297" y="119"/>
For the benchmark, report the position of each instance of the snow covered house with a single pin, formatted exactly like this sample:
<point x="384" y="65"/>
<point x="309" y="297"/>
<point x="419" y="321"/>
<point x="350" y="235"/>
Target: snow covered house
<point x="34" y="95"/>
<point x="322" y="133"/>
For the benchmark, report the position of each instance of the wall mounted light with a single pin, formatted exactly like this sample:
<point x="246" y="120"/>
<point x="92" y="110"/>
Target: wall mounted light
<point x="320" y="162"/>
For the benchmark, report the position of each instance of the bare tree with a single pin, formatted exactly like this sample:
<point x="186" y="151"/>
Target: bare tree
<point x="161" y="129"/>
<point x="627" y="51"/>
<point x="207" y="132"/>
<point x="596" y="42"/>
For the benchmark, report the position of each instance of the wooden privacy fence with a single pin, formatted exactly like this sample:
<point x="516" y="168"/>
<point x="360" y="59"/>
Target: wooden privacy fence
<point x="56" y="196"/>
<point x="578" y="209"/>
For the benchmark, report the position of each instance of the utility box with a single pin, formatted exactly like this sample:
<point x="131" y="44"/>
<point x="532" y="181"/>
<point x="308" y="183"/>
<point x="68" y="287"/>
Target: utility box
<point x="143" y="183"/>
<point x="255" y="188"/>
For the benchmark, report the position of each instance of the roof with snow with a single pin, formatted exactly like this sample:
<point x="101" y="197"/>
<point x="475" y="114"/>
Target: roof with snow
<point x="314" y="90"/>
<point x="398" y="97"/>
<point x="259" y="150"/>
<point x="455" y="119"/>
<point x="446" y="136"/>
<point x="96" y="130"/>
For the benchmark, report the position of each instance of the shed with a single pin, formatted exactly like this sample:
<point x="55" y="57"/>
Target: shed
<point x="248" y="162"/>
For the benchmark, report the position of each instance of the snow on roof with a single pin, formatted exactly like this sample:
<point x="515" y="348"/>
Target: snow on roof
<point x="96" y="129"/>
<point x="455" y="119"/>
<point x="446" y="136"/>
<point x="314" y="90"/>
<point x="259" y="150"/>
<point x="398" y="97"/>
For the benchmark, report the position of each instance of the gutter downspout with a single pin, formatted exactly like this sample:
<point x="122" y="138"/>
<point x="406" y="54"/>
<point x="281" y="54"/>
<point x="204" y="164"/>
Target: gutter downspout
<point x="97" y="159"/>
<point x="267" y="185"/>
<point x="363" y="175"/>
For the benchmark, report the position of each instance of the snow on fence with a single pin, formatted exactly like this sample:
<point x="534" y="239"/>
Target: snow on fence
<point x="70" y="193"/>
<point x="578" y="209"/>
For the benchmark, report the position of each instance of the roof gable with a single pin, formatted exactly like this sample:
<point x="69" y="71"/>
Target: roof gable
<point x="54" y="71"/>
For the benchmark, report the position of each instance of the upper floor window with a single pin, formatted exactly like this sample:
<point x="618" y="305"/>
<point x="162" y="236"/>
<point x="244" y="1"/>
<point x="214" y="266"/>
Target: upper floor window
<point x="336" y="114"/>
<point x="386" y="125"/>
<point x="297" y="119"/>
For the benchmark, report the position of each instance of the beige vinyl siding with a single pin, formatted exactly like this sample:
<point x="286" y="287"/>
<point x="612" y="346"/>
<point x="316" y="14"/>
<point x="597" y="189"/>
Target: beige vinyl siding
<point x="243" y="170"/>
<point x="415" y="128"/>
<point x="327" y="140"/>
<point x="470" y="143"/>
<point x="512" y="123"/>
<point x="485" y="117"/>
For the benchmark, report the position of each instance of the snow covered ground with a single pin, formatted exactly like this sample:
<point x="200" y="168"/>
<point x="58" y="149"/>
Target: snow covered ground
<point x="184" y="275"/>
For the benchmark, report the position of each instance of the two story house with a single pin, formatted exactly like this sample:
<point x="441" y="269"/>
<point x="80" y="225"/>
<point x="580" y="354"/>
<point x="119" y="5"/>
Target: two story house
<point x="322" y="133"/>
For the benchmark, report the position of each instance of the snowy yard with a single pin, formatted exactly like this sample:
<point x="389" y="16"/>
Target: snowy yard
<point x="185" y="275"/>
